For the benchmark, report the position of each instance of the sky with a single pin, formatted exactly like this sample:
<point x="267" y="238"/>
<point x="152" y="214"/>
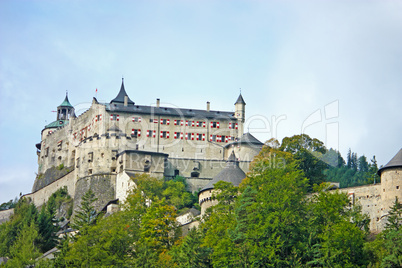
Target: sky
<point x="330" y="69"/>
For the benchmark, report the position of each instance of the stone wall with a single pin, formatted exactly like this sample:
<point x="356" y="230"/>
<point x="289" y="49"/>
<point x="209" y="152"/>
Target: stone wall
<point x="51" y="175"/>
<point x="41" y="196"/>
<point x="103" y="185"/>
<point x="369" y="197"/>
<point x="5" y="215"/>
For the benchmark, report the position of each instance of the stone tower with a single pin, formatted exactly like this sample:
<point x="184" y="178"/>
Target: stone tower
<point x="391" y="181"/>
<point x="65" y="110"/>
<point x="231" y="173"/>
<point x="240" y="114"/>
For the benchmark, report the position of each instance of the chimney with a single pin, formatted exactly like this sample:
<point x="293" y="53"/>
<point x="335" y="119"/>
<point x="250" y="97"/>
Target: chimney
<point x="208" y="106"/>
<point x="126" y="100"/>
<point x="158" y="103"/>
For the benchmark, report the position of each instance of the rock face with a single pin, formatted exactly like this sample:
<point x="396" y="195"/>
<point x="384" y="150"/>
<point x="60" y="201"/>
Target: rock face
<point x="51" y="175"/>
<point x="103" y="185"/>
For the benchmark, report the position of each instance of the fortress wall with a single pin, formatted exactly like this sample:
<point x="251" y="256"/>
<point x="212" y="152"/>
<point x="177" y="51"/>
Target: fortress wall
<point x="196" y="184"/>
<point x="369" y="197"/>
<point x="103" y="185"/>
<point x="206" y="201"/>
<point x="207" y="168"/>
<point x="391" y="186"/>
<point x="5" y="215"/>
<point x="42" y="195"/>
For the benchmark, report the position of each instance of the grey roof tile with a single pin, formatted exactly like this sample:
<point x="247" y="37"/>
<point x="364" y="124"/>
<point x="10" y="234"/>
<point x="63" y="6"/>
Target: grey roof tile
<point x="396" y="161"/>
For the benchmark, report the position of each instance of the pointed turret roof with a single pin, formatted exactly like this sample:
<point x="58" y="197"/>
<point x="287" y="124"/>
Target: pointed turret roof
<point x="122" y="93"/>
<point x="396" y="161"/>
<point x="231" y="173"/>
<point x="232" y="157"/>
<point x="240" y="100"/>
<point x="66" y="102"/>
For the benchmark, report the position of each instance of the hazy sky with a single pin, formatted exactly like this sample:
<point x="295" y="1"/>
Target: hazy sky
<point x="331" y="69"/>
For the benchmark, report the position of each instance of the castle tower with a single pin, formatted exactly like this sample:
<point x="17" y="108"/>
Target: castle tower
<point x="122" y="98"/>
<point x="240" y="114"/>
<point x="65" y="110"/>
<point x="391" y="182"/>
<point x="231" y="173"/>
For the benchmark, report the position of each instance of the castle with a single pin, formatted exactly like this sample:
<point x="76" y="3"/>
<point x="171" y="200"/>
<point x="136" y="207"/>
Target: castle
<point x="111" y="142"/>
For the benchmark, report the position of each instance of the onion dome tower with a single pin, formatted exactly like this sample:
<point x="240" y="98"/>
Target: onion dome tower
<point x="65" y="110"/>
<point x="231" y="173"/>
<point x="122" y="98"/>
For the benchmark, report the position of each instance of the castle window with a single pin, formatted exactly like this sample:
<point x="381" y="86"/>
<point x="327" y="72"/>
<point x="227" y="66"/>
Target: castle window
<point x="200" y="137"/>
<point x="136" y="133"/>
<point x="147" y="166"/>
<point x="78" y="163"/>
<point x="137" y="119"/>
<point x="151" y="133"/>
<point x="89" y="171"/>
<point x="233" y="126"/>
<point x="198" y="124"/>
<point x="46" y="151"/>
<point x="165" y="121"/>
<point x="189" y="136"/>
<point x="228" y="138"/>
<point x="59" y="145"/>
<point x="114" y="154"/>
<point x="212" y="138"/>
<point x="214" y="124"/>
<point x="114" y="117"/>
<point x="397" y="187"/>
<point x="90" y="157"/>
<point x="164" y="134"/>
<point x="153" y="120"/>
<point x="178" y="135"/>
<point x="180" y="122"/>
<point x="98" y="117"/>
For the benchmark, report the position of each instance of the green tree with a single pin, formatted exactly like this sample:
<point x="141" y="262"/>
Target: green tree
<point x="25" y="214"/>
<point x="9" y="204"/>
<point x="48" y="228"/>
<point x="303" y="148"/>
<point x="86" y="213"/>
<point x="176" y="194"/>
<point x="392" y="237"/>
<point x="337" y="232"/>
<point x="24" y="251"/>
<point x="189" y="251"/>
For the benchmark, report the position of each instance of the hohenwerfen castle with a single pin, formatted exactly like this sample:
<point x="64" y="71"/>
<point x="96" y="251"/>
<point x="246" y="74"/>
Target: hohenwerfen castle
<point x="111" y="142"/>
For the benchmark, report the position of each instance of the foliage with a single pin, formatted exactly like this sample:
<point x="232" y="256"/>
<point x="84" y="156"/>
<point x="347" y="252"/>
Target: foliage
<point x="176" y="194"/>
<point x="24" y="251"/>
<point x="60" y="167"/>
<point x="8" y="205"/>
<point x="302" y="147"/>
<point x="356" y="172"/>
<point x="86" y="213"/>
<point x="28" y="224"/>
<point x="189" y="251"/>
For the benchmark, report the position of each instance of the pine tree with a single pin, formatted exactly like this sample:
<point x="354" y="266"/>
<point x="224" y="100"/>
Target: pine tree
<point x="86" y="214"/>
